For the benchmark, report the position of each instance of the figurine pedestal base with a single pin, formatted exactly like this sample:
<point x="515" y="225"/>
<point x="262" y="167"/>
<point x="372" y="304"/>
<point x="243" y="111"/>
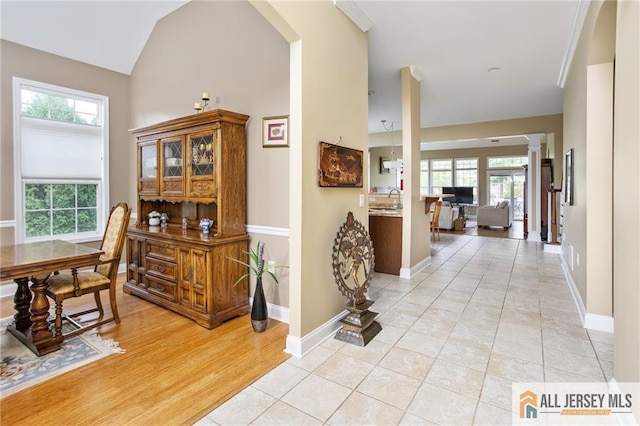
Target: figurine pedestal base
<point x="359" y="327"/>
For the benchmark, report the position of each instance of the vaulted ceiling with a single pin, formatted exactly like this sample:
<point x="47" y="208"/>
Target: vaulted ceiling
<point x="478" y="60"/>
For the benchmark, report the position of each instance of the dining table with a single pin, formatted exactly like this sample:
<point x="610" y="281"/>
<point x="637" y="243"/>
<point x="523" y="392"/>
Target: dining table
<point x="35" y="262"/>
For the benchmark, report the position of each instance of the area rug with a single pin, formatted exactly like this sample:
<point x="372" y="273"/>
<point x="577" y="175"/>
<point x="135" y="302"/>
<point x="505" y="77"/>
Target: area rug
<point x="21" y="368"/>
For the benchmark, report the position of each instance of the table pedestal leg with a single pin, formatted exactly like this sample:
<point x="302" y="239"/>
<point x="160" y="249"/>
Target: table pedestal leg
<point x="39" y="338"/>
<point x="22" y="302"/>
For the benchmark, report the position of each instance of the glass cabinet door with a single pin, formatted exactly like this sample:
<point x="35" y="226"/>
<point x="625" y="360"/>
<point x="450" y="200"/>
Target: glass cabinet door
<point x="202" y="152"/>
<point x="172" y="182"/>
<point x="148" y="157"/>
<point x="201" y="179"/>
<point x="148" y="168"/>
<point x="172" y="152"/>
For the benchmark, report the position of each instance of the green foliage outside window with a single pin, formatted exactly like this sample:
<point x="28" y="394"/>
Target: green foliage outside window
<point x="58" y="108"/>
<point x="58" y="209"/>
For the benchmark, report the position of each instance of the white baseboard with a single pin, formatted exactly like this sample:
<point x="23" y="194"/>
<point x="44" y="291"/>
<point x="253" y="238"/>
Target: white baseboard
<point x="589" y="321"/>
<point x="598" y="322"/>
<point x="415" y="269"/>
<point x="552" y="248"/>
<point x="299" y="346"/>
<point x="574" y="290"/>
<point x="268" y="230"/>
<point x="276" y="312"/>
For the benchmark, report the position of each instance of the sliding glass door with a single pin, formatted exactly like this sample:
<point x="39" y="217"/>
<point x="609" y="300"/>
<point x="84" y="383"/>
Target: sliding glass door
<point x="508" y="185"/>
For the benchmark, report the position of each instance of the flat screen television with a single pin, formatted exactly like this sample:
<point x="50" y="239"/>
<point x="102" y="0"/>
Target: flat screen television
<point x="463" y="194"/>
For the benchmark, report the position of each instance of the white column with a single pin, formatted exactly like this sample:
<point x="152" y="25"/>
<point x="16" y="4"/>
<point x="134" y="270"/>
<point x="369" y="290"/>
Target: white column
<point x="533" y="184"/>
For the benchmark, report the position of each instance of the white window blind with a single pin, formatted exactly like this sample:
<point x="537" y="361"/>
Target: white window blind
<point x="56" y="149"/>
<point x="61" y="178"/>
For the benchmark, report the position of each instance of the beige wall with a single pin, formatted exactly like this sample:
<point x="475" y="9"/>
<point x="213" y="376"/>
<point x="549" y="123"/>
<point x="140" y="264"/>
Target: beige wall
<point x="575" y="118"/>
<point x="586" y="243"/>
<point x="328" y="102"/>
<point x="626" y="201"/>
<point x="582" y="85"/>
<point x="24" y="62"/>
<point x="599" y="181"/>
<point x="205" y="47"/>
<point x="416" y="245"/>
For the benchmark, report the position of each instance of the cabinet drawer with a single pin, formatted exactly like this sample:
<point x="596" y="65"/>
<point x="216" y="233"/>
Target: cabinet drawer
<point x="158" y="250"/>
<point x="161" y="269"/>
<point x="162" y="288"/>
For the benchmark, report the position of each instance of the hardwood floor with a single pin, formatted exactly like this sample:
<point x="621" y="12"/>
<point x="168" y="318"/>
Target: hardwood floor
<point x="514" y="232"/>
<point x="173" y="371"/>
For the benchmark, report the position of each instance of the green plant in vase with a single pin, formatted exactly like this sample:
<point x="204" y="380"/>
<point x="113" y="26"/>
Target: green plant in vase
<point x="256" y="265"/>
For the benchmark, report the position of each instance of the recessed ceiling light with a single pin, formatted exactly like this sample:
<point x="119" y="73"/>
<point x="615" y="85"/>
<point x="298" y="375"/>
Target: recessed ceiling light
<point x="494" y="69"/>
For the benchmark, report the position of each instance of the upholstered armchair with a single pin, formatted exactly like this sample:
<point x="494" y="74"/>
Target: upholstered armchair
<point x="103" y="277"/>
<point x="448" y="214"/>
<point x="499" y="215"/>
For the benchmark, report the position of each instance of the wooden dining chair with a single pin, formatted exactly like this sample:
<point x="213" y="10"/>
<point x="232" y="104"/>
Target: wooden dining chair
<point x="435" y="217"/>
<point x="103" y="277"/>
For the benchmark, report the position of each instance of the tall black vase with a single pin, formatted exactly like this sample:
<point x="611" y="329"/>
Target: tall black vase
<point x="259" y="313"/>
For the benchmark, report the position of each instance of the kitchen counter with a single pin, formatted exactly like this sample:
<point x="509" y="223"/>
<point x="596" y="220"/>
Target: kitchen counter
<point x="385" y="212"/>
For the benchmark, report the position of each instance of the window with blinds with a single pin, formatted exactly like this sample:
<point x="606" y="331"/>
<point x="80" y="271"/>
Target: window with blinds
<point x="61" y="162"/>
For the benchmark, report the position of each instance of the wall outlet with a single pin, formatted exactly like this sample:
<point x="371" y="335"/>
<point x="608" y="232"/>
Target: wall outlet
<point x="361" y="200"/>
<point x="271" y="264"/>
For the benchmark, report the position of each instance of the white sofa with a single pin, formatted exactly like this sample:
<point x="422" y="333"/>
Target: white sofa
<point x="448" y="214"/>
<point x="499" y="215"/>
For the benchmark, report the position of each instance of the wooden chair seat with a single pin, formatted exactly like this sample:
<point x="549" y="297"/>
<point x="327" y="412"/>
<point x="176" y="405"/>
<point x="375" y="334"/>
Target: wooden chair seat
<point x="77" y="283"/>
<point x="65" y="284"/>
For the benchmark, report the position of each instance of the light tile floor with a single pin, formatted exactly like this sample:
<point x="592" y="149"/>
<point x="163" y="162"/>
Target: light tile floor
<point x="485" y="313"/>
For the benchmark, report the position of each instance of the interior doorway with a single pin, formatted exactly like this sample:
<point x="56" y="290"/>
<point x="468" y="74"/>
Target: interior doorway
<point x="508" y="185"/>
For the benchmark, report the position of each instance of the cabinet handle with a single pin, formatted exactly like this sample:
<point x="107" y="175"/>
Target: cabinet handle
<point x="161" y="288"/>
<point x="160" y="269"/>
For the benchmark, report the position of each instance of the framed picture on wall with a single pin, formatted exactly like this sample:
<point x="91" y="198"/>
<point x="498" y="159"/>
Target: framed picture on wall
<point x="275" y="131"/>
<point x="339" y="166"/>
<point x="568" y="178"/>
<point x="383" y="170"/>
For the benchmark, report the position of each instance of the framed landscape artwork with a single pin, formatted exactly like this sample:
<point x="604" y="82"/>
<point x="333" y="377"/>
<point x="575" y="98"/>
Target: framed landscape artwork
<point x="339" y="166"/>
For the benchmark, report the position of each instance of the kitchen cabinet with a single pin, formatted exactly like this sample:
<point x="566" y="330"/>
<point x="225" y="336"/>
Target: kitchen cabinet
<point x="386" y="235"/>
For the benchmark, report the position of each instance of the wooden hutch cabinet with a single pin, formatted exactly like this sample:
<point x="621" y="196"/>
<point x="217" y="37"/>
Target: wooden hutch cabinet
<point x="192" y="167"/>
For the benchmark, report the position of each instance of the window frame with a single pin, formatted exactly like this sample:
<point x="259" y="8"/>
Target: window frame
<point x="476" y="168"/>
<point x="432" y="170"/>
<point x="502" y="157"/>
<point x="19" y="181"/>
<point x="424" y="172"/>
